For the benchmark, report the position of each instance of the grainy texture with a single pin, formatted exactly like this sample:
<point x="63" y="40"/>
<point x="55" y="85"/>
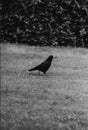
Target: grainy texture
<point x="44" y="22"/>
<point x="55" y="101"/>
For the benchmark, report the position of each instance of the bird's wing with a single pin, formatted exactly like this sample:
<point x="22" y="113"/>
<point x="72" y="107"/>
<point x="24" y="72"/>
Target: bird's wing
<point x="38" y="67"/>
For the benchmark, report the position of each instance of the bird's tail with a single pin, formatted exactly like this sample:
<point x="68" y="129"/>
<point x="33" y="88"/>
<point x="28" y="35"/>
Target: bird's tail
<point x="32" y="69"/>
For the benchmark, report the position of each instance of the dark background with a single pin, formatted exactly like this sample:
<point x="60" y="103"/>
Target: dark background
<point x="44" y="22"/>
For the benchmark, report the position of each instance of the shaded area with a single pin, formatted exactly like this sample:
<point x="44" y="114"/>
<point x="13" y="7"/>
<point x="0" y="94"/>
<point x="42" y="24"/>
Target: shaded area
<point x="44" y="22"/>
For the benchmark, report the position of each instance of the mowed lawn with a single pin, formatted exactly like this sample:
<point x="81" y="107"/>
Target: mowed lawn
<point x="55" y="101"/>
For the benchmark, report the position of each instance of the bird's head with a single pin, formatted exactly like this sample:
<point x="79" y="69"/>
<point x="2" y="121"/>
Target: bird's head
<point x="50" y="58"/>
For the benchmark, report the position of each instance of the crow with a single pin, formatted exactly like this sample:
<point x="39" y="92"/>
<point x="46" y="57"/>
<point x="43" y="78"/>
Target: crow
<point x="44" y="66"/>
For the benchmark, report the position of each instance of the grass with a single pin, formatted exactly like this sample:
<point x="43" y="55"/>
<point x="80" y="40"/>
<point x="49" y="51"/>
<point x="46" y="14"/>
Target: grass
<point x="55" y="101"/>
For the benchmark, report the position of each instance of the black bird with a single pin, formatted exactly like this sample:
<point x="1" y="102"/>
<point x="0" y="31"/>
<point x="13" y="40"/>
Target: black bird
<point x="44" y="66"/>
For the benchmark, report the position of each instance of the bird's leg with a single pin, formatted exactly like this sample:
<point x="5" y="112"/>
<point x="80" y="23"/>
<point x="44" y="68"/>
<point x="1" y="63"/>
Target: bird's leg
<point x="39" y="72"/>
<point x="44" y="73"/>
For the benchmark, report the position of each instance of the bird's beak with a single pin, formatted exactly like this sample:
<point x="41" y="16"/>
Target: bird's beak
<point x="55" y="57"/>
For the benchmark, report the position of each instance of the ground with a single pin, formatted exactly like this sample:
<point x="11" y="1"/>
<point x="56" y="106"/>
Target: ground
<point x="55" y="101"/>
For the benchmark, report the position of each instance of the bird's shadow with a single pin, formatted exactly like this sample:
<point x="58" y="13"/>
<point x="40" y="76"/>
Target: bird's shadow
<point x="36" y="74"/>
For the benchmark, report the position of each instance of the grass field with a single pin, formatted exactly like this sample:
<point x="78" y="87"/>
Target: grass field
<point x="55" y="101"/>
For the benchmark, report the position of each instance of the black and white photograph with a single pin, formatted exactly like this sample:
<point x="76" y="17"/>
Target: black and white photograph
<point x="44" y="64"/>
